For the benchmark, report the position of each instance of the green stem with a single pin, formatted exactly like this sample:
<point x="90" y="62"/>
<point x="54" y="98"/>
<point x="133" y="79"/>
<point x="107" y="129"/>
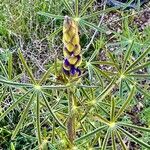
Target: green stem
<point x="71" y="118"/>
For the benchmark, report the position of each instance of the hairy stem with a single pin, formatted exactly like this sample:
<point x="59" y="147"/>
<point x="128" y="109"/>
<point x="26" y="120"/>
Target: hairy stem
<point x="71" y="118"/>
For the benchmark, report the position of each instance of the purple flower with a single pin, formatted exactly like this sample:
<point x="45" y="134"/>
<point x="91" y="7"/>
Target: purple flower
<point x="79" y="71"/>
<point x="72" y="70"/>
<point x="66" y="71"/>
<point x="67" y="62"/>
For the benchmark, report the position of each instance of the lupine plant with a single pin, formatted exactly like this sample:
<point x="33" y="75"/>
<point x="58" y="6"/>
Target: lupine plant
<point x="77" y="104"/>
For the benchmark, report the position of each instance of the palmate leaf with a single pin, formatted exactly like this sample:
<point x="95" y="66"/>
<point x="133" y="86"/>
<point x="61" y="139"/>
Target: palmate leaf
<point x="139" y="88"/>
<point x="56" y="32"/>
<point x="113" y="139"/>
<point x="68" y="7"/>
<point x="51" y="15"/>
<point x="45" y="76"/>
<point x="104" y="63"/>
<point x="89" y="3"/>
<point x="28" y="70"/>
<point x="90" y="134"/>
<point x="112" y="111"/>
<point x="127" y="55"/>
<point x="16" y="84"/>
<point x="51" y="111"/>
<point x="10" y="66"/>
<point x="23" y="116"/>
<point x="3" y="94"/>
<point x="105" y="140"/>
<point x="2" y="67"/>
<point x="121" y="110"/>
<point x="93" y="26"/>
<point x="137" y="140"/>
<point x="38" y="126"/>
<point x="114" y="61"/>
<point x="121" y="141"/>
<point x="97" y="13"/>
<point x="99" y="78"/>
<point x="94" y="54"/>
<point x="134" y="127"/>
<point x="139" y="75"/>
<point x="121" y="88"/>
<point x="102" y="119"/>
<point x="14" y="104"/>
<point x="138" y="59"/>
<point x="76" y="8"/>
<point x="101" y="72"/>
<point x="107" y="90"/>
<point x="147" y="64"/>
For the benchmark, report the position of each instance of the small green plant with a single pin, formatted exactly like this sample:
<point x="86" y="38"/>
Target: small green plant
<point x="78" y="103"/>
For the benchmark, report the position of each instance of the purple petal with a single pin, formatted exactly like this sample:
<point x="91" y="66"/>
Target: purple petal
<point x="79" y="71"/>
<point x="79" y="57"/>
<point x="71" y="53"/>
<point x="66" y="71"/>
<point x="66" y="62"/>
<point x="73" y="70"/>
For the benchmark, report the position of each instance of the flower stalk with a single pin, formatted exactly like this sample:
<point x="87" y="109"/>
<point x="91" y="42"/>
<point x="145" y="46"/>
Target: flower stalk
<point x="71" y="119"/>
<point x="71" y="63"/>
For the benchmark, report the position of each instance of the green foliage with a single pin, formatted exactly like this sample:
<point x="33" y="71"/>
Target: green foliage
<point x="37" y="115"/>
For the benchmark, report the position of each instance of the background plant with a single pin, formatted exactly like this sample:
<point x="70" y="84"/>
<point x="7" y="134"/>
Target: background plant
<point x="108" y="89"/>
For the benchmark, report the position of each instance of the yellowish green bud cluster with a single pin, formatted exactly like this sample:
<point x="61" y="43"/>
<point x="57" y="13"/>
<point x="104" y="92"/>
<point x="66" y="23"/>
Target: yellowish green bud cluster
<point x="72" y="49"/>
